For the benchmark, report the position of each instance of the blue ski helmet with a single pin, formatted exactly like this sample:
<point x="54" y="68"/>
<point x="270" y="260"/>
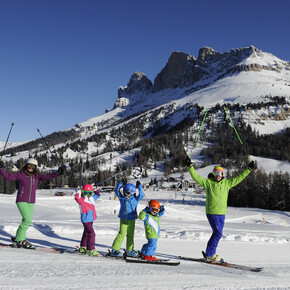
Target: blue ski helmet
<point x="129" y="187"/>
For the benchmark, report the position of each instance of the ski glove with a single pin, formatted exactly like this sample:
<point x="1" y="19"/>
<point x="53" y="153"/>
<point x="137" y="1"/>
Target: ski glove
<point x="251" y="165"/>
<point x="188" y="161"/>
<point x="124" y="181"/>
<point x="61" y="170"/>
<point x="138" y="183"/>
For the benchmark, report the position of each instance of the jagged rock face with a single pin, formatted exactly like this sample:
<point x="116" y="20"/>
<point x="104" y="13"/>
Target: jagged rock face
<point x="183" y="70"/>
<point x="180" y="71"/>
<point x="137" y="83"/>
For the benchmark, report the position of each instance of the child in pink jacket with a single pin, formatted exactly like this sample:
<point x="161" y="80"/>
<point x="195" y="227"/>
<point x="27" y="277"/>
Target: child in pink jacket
<point x="86" y="199"/>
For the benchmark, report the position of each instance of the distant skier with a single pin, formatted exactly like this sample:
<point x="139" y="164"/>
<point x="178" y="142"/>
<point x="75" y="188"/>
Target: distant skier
<point x="150" y="216"/>
<point x="217" y="190"/>
<point x="127" y="214"/>
<point x="28" y="178"/>
<point x="86" y="198"/>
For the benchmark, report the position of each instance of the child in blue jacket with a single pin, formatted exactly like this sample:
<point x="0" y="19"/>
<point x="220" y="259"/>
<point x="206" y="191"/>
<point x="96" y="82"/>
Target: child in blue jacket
<point x="127" y="214"/>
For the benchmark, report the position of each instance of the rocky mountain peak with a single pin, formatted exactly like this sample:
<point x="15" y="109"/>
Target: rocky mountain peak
<point x="205" y="52"/>
<point x="180" y="71"/>
<point x="138" y="83"/>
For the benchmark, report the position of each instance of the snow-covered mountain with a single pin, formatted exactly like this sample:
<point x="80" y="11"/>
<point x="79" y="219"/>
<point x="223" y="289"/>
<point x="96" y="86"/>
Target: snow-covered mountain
<point x="184" y="88"/>
<point x="245" y="75"/>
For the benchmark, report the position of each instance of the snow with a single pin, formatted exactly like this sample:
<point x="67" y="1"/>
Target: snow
<point x="251" y="237"/>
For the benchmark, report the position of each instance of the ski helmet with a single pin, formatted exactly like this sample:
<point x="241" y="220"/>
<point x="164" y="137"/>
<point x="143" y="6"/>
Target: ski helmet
<point x="32" y="161"/>
<point x="218" y="171"/>
<point x="154" y="206"/>
<point x="129" y="189"/>
<point x="87" y="189"/>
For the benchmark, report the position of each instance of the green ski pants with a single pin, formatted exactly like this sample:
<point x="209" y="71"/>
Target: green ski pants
<point x="26" y="210"/>
<point x="126" y="228"/>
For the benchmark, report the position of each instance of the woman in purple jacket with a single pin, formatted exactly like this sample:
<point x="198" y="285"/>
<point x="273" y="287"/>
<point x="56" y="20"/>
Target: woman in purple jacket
<point x="27" y="178"/>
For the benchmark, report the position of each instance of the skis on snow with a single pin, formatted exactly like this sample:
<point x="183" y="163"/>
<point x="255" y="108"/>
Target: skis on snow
<point x="223" y="264"/>
<point x="158" y="262"/>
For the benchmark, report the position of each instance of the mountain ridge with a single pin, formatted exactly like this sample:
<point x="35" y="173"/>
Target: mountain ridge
<point x="259" y="95"/>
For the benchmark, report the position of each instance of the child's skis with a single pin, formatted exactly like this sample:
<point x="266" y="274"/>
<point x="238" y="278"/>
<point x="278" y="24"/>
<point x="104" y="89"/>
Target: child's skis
<point x="158" y="262"/>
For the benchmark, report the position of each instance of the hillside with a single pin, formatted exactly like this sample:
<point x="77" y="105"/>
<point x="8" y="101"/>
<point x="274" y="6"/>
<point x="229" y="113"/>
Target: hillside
<point x="153" y="124"/>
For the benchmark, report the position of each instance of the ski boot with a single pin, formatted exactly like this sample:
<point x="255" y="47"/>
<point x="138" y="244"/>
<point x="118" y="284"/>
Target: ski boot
<point x="132" y="254"/>
<point x="94" y="253"/>
<point x="150" y="258"/>
<point x="214" y="259"/>
<point x="22" y="244"/>
<point x="82" y="250"/>
<point x="116" y="253"/>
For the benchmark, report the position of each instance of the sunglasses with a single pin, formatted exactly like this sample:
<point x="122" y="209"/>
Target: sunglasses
<point x="31" y="166"/>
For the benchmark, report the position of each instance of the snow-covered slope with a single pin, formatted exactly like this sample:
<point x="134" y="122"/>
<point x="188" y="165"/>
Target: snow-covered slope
<point x="257" y="78"/>
<point x="251" y="237"/>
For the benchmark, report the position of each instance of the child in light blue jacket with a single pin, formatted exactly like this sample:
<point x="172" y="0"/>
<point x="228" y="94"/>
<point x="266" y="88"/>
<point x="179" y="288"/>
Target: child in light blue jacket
<point x="127" y="214"/>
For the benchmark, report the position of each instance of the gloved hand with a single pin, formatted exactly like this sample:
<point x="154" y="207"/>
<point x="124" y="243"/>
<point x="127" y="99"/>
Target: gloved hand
<point x="61" y="170"/>
<point x="124" y="181"/>
<point x="251" y="165"/>
<point x="148" y="209"/>
<point x="138" y="183"/>
<point x="97" y="192"/>
<point x="162" y="208"/>
<point x="188" y="161"/>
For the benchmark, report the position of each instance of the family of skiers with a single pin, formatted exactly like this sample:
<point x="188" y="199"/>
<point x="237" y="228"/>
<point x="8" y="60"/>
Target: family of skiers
<point x="216" y="186"/>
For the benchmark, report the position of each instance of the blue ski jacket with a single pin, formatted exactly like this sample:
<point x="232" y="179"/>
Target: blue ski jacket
<point x="128" y="206"/>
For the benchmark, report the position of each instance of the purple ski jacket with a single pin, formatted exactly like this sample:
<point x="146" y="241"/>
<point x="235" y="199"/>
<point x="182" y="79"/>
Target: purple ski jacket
<point x="27" y="183"/>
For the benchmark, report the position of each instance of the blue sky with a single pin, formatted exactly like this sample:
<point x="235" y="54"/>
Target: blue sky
<point x="62" y="61"/>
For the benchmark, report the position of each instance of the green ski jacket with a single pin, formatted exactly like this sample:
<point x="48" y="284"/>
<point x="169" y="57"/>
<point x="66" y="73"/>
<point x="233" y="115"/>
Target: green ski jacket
<point x="217" y="192"/>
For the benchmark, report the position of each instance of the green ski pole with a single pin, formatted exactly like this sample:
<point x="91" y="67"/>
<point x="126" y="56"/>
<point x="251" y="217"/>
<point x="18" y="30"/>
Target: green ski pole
<point x="237" y="134"/>
<point x="198" y="132"/>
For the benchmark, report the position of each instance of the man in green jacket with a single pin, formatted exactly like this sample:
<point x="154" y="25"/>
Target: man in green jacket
<point x="217" y="191"/>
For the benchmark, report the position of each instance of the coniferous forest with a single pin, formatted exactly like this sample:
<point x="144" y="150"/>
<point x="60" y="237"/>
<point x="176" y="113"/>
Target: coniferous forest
<point x="166" y="145"/>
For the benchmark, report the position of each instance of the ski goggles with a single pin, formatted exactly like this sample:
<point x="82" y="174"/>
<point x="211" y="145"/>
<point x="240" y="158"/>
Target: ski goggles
<point x="218" y="173"/>
<point x="127" y="193"/>
<point x="87" y="193"/>
<point x="155" y="210"/>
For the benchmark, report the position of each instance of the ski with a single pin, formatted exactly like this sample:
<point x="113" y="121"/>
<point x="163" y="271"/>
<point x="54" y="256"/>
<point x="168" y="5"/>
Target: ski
<point x="158" y="262"/>
<point x="224" y="264"/>
<point x="41" y="249"/>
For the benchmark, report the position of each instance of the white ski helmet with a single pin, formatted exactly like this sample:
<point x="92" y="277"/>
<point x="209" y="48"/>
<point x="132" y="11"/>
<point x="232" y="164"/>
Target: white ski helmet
<point x="32" y="161"/>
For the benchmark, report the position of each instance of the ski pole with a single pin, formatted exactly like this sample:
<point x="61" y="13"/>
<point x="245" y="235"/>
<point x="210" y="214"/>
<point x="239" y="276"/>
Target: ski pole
<point x="237" y="134"/>
<point x="47" y="146"/>
<point x="109" y="178"/>
<point x="172" y="193"/>
<point x="114" y="152"/>
<point x="82" y="168"/>
<point x="12" y="124"/>
<point x="198" y="132"/>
